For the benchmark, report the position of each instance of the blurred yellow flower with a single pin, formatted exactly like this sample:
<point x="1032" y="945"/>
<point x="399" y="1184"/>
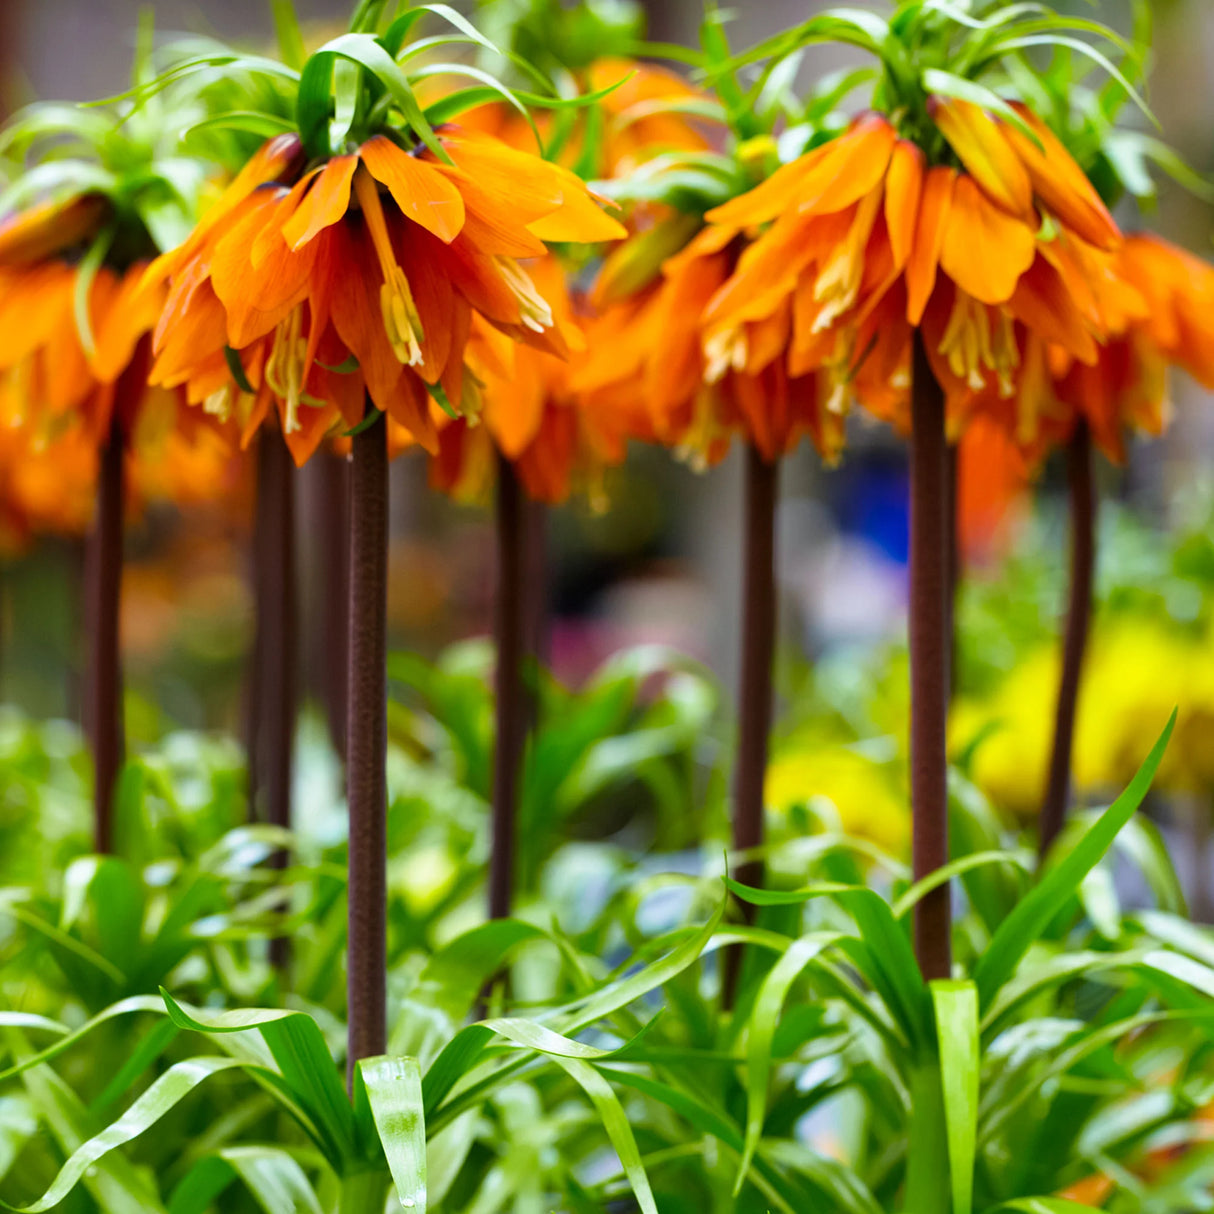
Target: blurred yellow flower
<point x="864" y="794"/>
<point x="1138" y="670"/>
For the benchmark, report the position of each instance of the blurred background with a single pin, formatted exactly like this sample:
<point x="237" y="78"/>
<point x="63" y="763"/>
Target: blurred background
<point x="662" y="562"/>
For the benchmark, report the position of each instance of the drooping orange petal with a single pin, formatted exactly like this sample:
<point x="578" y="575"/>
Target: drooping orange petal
<point x="325" y="203"/>
<point x="423" y="194"/>
<point x="34" y="303"/>
<point x="201" y="330"/>
<point x="490" y="224"/>
<point x="46" y="228"/>
<point x="772" y="197"/>
<point x="903" y="191"/>
<point x="828" y="179"/>
<point x="314" y="424"/>
<point x="274" y="161"/>
<point x="130" y="315"/>
<point x="982" y="145"/>
<point x="432" y="294"/>
<point x="985" y="250"/>
<point x="932" y="223"/>
<point x="258" y="298"/>
<point x="1061" y="184"/>
<point x="580" y="217"/>
<point x="522" y="181"/>
<point x="513" y="179"/>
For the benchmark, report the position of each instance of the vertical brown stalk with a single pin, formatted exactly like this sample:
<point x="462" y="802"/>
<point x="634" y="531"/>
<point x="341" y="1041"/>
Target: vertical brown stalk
<point x="510" y="697"/>
<point x="929" y="592"/>
<point x="758" y="649"/>
<point x="754" y="679"/>
<point x="277" y="646"/>
<point x="366" y="746"/>
<point x="259" y="543"/>
<point x="104" y="591"/>
<point x="954" y="564"/>
<point x="334" y="567"/>
<point x="1079" y="612"/>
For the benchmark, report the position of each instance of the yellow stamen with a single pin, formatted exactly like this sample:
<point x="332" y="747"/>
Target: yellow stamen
<point x="219" y="403"/>
<point x="705" y="430"/>
<point x="286" y="371"/>
<point x="724" y="352"/>
<point x="972" y="346"/>
<point x="838" y="284"/>
<point x="534" y="310"/>
<point x="401" y="320"/>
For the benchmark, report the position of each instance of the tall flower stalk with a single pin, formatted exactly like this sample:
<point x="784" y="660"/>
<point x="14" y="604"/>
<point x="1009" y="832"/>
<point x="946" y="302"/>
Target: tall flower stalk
<point x="914" y="263"/>
<point x="1156" y="302"/>
<point x="930" y="619"/>
<point x="103" y="597"/>
<point x="366" y="745"/>
<point x="757" y="653"/>
<point x="510" y="699"/>
<point x="337" y="281"/>
<point x="1078" y="619"/>
<point x="76" y="233"/>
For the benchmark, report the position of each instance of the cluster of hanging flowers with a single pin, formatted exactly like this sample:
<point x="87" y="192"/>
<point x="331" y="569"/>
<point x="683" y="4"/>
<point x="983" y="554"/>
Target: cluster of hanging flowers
<point x="994" y="260"/>
<point x="361" y="278"/>
<point x="535" y="414"/>
<point x="77" y="233"/>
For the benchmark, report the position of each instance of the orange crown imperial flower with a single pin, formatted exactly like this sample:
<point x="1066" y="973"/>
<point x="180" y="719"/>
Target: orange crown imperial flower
<point x="75" y="335"/>
<point x="76" y="234"/>
<point x="361" y="277"/>
<point x="861" y="240"/>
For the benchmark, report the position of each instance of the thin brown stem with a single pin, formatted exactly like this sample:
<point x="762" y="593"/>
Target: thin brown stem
<point x="366" y="747"/>
<point x="104" y="594"/>
<point x="331" y="593"/>
<point x="277" y="646"/>
<point x="1078" y="619"/>
<point x="754" y="678"/>
<point x="511" y="709"/>
<point x="954" y="564"/>
<point x="929" y="592"/>
<point x="259" y="543"/>
<point x="758" y="649"/>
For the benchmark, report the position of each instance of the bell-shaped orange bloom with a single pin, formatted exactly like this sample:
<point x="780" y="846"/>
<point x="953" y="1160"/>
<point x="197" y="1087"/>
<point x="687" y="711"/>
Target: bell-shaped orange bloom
<point x="529" y="412"/>
<point x="1127" y="387"/>
<point x="47" y="376"/>
<point x="648" y="361"/>
<point x="860" y="241"/>
<point x="361" y="279"/>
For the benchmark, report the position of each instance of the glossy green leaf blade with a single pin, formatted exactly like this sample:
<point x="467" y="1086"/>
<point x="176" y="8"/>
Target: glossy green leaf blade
<point x="168" y="1091"/>
<point x="126" y="1007"/>
<point x="316" y="87"/>
<point x="956" y="1006"/>
<point x="893" y="971"/>
<point x="394" y="1092"/>
<point x="763" y="1020"/>
<point x="305" y="1064"/>
<point x="957" y="868"/>
<point x="112" y="1181"/>
<point x="619" y="994"/>
<point x="276" y="1181"/>
<point x="1034" y="912"/>
<point x="615" y="1122"/>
